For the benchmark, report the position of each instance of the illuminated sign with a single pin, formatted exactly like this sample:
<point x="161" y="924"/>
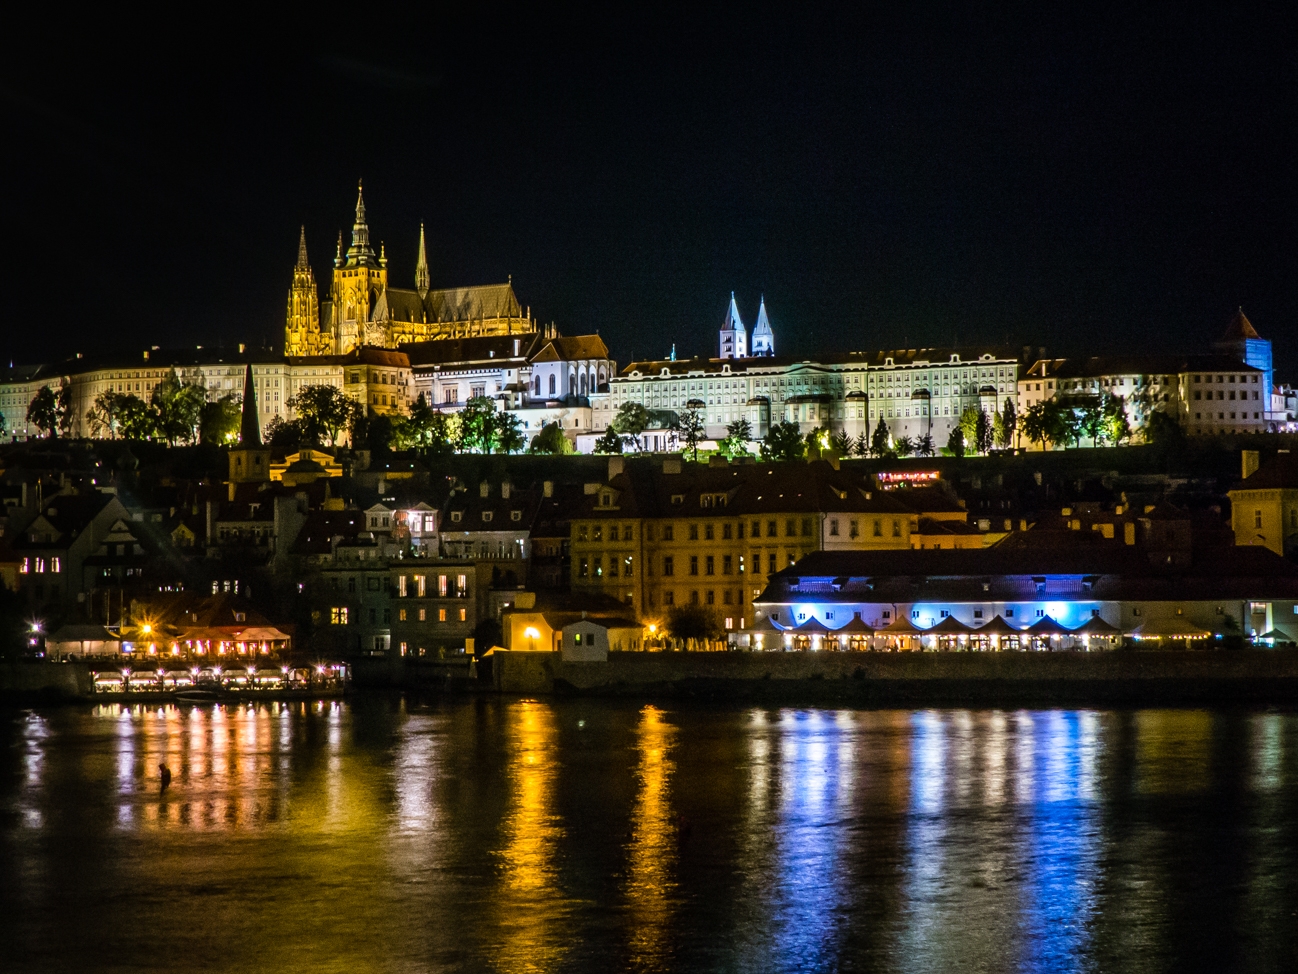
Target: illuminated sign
<point x="906" y="478"/>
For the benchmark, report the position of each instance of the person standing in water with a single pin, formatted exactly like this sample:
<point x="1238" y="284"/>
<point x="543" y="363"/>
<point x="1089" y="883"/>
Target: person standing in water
<point x="165" y="773"/>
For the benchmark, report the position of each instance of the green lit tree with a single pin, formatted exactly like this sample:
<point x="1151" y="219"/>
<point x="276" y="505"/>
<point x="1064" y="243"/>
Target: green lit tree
<point x="509" y="433"/>
<point x="179" y="408"/>
<point x="983" y="432"/>
<point x="551" y="441"/>
<point x="904" y="447"/>
<point x="631" y="420"/>
<point x="136" y="418"/>
<point x="691" y="431"/>
<point x="1007" y="421"/>
<point x="738" y="435"/>
<point x="1117" y="427"/>
<point x="218" y="422"/>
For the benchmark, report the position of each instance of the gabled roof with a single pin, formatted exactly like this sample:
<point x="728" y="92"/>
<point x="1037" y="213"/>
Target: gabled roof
<point x="572" y="349"/>
<point x="1239" y="327"/>
<point x="486" y="348"/>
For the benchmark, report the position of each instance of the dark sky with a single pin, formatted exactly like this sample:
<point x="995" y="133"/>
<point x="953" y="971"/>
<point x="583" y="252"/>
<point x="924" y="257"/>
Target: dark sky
<point x="1120" y="180"/>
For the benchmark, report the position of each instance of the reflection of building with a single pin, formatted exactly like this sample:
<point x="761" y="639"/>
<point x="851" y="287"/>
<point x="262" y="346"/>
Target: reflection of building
<point x="363" y="310"/>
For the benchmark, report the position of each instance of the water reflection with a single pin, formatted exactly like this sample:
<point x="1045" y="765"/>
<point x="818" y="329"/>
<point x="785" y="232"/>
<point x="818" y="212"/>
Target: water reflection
<point x="586" y="836"/>
<point x="652" y="850"/>
<point x="529" y="906"/>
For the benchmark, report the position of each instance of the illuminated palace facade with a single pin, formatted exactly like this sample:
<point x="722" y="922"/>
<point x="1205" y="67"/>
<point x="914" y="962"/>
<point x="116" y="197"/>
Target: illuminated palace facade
<point x="362" y="310"/>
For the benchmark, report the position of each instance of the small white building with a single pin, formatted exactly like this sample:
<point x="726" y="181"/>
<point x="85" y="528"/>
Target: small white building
<point x="591" y="640"/>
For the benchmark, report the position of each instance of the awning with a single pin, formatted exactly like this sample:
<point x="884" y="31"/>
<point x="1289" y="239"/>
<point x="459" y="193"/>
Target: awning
<point x="998" y="627"/>
<point x="1046" y="626"/>
<point x="812" y="627"/>
<point x="1095" y="626"/>
<point x="1177" y="628"/>
<point x="950" y="626"/>
<point x="855" y="628"/>
<point x="902" y="626"/>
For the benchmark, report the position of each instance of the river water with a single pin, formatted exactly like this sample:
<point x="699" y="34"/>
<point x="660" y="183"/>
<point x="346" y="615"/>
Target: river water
<point x="514" y="836"/>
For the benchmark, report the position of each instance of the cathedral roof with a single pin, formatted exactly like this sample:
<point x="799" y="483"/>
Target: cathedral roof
<point x="763" y="326"/>
<point x="1239" y="327"/>
<point x="452" y="304"/>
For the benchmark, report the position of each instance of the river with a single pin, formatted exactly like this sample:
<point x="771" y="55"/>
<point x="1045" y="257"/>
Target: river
<point x="490" y="834"/>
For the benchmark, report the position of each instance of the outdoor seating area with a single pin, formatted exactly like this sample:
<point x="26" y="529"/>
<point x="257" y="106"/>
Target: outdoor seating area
<point x="950" y="635"/>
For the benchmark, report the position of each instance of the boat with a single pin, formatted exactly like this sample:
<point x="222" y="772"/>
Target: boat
<point x="195" y="696"/>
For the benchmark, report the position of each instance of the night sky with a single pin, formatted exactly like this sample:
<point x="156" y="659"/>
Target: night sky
<point x="1119" y="181"/>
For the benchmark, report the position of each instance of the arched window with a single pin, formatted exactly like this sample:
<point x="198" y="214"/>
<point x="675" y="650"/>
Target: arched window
<point x="552" y="383"/>
<point x="572" y="383"/>
<point x="583" y="383"/>
<point x="602" y="379"/>
<point x="536" y="386"/>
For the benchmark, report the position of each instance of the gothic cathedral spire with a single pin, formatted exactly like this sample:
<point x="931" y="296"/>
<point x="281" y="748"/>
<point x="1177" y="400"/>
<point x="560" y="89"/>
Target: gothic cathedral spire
<point x="302" y="326"/>
<point x="302" y="263"/>
<point x="421" y="267"/>
<point x="360" y="252"/>
<point x="734" y="337"/>
<point x="763" y="337"/>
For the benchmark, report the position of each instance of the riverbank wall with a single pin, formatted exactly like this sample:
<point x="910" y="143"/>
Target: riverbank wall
<point x="1253" y="677"/>
<point x="43" y="682"/>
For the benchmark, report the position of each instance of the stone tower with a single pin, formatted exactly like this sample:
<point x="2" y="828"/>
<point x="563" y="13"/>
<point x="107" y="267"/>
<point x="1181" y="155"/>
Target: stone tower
<point x="734" y="336"/>
<point x="302" y="331"/>
<point x="1242" y="341"/>
<point x="360" y="280"/>
<point x="249" y="461"/>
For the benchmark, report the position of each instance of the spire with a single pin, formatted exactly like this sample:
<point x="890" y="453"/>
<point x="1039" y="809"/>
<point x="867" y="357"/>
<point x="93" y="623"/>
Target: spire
<point x="302" y="262"/>
<point x="360" y="252"/>
<point x="763" y="337"/>
<point x="249" y="428"/>
<point x="338" y="257"/>
<point x="732" y="316"/>
<point x="421" y="267"/>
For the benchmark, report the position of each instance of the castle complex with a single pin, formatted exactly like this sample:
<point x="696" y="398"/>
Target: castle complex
<point x="363" y="310"/>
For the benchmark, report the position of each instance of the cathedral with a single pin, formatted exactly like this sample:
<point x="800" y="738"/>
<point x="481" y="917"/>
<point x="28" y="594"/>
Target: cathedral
<point x="362" y="310"/>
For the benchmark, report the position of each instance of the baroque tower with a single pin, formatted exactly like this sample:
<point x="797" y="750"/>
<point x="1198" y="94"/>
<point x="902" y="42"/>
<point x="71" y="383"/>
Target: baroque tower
<point x="249" y="461"/>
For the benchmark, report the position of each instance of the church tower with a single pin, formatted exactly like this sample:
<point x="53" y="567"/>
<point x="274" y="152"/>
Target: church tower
<point x="1242" y="341"/>
<point x="734" y="336"/>
<point x="360" y="280"/>
<point x="249" y="461"/>
<point x="763" y="337"/>
<point x="302" y="327"/>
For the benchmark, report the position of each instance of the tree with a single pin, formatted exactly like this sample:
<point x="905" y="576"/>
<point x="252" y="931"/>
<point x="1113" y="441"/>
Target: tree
<point x="738" y="435"/>
<point x="904" y="447"/>
<point x="102" y="417"/>
<point x="478" y="426"/>
<point x="955" y="444"/>
<point x="64" y="407"/>
<point x="881" y="441"/>
<point x="323" y="410"/>
<point x="983" y="432"/>
<point x="924" y="448"/>
<point x="43" y="411"/>
<point x="861" y="446"/>
<point x="1116" y="425"/>
<point x="1007" y="421"/>
<point x="630" y="421"/>
<point x="136" y="418"/>
<point x="218" y="423"/>
<point x="842" y="443"/>
<point x="427" y="429"/>
<point x="969" y="425"/>
<point x="783" y="442"/>
<point x="693" y="621"/>
<point x="179" y="408"/>
<point x="609" y="442"/>
<point x="819" y="443"/>
<point x="691" y="431"/>
<point x="552" y="441"/>
<point x="1163" y="431"/>
<point x="1035" y="423"/>
<point x="282" y="436"/>
<point x="509" y="433"/>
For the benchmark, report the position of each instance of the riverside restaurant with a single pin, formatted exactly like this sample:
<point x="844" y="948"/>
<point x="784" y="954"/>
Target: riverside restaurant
<point x="1043" y="600"/>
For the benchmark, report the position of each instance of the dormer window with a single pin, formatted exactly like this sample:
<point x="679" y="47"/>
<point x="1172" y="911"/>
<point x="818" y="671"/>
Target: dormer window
<point x="516" y="515"/>
<point x="486" y="515"/>
<point x="456" y="515"/>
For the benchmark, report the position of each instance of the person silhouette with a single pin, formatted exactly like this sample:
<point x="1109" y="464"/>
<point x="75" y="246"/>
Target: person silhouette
<point x="165" y="773"/>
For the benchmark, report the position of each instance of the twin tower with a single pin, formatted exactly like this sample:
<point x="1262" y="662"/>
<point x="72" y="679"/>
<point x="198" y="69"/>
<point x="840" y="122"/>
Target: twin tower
<point x="734" y="336"/>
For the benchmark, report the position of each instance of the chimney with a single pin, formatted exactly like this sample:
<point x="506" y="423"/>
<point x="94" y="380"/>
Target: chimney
<point x="615" y="466"/>
<point x="504" y="490"/>
<point x="1248" y="463"/>
<point x="1129" y="532"/>
<point x="547" y="488"/>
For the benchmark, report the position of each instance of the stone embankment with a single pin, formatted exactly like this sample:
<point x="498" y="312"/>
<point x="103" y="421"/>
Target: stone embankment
<point x="914" y="679"/>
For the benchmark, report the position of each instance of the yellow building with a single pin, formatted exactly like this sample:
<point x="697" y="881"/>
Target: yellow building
<point x="659" y="534"/>
<point x="1264" y="504"/>
<point x="363" y="310"/>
